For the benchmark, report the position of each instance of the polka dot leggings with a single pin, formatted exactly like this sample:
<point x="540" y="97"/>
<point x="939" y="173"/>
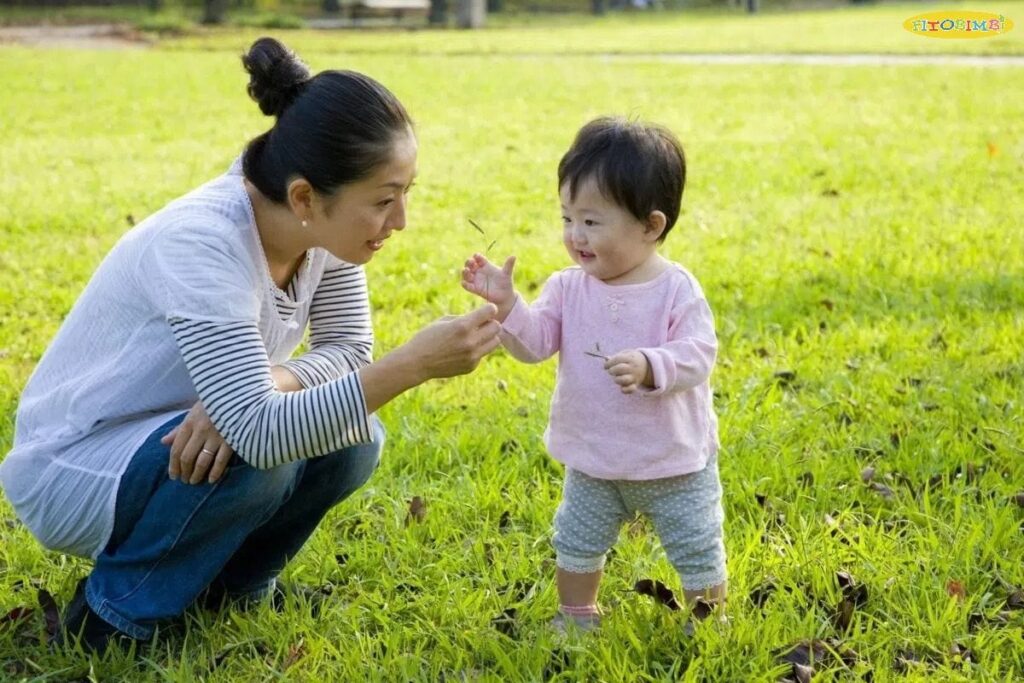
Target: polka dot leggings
<point x="686" y="512"/>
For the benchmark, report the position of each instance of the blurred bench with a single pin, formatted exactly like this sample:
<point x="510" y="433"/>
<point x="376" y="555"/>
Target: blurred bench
<point x="394" y="9"/>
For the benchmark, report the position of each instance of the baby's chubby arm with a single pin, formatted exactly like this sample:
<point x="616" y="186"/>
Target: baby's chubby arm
<point x="688" y="357"/>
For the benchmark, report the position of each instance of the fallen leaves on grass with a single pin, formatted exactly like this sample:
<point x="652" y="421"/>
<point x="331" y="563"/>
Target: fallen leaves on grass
<point x="1015" y="600"/>
<point x="50" y="612"/>
<point x="295" y="653"/>
<point x="661" y="593"/>
<point x="806" y="654"/>
<point x="882" y="490"/>
<point x="854" y="595"/>
<point x="955" y="589"/>
<point x="506" y="623"/>
<point x="760" y="595"/>
<point x="784" y="378"/>
<point x="417" y="510"/>
<point x="16" y="615"/>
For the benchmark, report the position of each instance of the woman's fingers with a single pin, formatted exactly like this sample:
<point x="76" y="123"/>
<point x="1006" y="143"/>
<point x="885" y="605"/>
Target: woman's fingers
<point x="189" y="456"/>
<point x="481" y="316"/>
<point x="182" y="433"/>
<point x="202" y="464"/>
<point x="168" y="438"/>
<point x="220" y="464"/>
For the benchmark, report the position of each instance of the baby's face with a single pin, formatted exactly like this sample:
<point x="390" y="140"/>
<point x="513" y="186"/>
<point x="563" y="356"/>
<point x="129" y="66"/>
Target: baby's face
<point x="604" y="239"/>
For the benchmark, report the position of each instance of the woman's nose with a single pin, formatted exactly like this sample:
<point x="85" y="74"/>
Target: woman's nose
<point x="396" y="220"/>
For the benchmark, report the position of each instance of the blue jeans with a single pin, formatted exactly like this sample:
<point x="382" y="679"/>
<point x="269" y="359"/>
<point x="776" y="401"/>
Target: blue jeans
<point x="171" y="541"/>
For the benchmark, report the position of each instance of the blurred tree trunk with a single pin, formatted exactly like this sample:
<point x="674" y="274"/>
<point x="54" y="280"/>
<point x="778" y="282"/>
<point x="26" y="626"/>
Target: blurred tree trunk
<point x="438" y="12"/>
<point x="331" y="6"/>
<point x="214" y="11"/>
<point x="155" y="5"/>
<point x="597" y="6"/>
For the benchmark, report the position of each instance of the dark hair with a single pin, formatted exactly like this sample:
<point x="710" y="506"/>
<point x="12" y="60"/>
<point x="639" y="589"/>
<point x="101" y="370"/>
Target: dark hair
<point x="639" y="166"/>
<point x="331" y="129"/>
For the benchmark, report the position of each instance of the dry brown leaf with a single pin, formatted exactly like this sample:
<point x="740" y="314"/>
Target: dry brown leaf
<point x="417" y="510"/>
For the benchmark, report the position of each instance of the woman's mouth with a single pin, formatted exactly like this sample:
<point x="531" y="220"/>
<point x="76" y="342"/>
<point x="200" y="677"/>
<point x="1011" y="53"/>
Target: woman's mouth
<point x="375" y="245"/>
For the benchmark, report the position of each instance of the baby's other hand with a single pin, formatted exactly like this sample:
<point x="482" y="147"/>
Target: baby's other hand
<point x="489" y="282"/>
<point x="630" y="370"/>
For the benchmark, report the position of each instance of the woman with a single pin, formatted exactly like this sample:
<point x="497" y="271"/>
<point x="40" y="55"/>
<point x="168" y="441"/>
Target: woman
<point x="166" y="433"/>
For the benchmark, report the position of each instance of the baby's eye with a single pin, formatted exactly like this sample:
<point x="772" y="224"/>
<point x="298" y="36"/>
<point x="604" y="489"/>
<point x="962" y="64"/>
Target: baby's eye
<point x="589" y="222"/>
<point x="565" y="219"/>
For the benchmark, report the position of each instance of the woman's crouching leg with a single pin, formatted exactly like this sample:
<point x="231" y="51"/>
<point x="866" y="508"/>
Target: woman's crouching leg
<point x="172" y="539"/>
<point x="323" y="483"/>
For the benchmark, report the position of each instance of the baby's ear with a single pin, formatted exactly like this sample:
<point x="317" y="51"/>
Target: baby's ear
<point x="654" y="226"/>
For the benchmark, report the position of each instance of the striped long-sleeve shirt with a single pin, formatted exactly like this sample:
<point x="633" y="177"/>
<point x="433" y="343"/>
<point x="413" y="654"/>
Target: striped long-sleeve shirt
<point x="231" y="372"/>
<point x="184" y="309"/>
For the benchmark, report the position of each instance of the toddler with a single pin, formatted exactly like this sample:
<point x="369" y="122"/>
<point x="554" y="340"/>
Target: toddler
<point x="631" y="416"/>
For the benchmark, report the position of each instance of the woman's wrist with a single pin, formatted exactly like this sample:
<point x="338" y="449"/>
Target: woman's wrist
<point x="389" y="376"/>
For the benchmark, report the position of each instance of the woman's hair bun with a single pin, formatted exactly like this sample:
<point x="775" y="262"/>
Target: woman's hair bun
<point x="276" y="75"/>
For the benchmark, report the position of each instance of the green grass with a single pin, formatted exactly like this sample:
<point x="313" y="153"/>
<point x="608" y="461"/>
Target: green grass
<point x="840" y="29"/>
<point x="874" y="29"/>
<point x="848" y="224"/>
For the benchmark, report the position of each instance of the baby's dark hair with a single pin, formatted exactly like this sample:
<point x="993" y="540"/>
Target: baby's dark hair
<point x="639" y="166"/>
<point x="332" y="129"/>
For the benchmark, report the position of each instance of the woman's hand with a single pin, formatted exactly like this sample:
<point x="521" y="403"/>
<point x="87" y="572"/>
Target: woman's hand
<point x="455" y="345"/>
<point x="445" y="348"/>
<point x="486" y="280"/>
<point x="197" y="448"/>
<point x="630" y="370"/>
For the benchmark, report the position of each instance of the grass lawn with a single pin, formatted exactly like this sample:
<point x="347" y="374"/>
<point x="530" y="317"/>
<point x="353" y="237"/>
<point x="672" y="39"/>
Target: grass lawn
<point x="857" y="231"/>
<point x="874" y="28"/>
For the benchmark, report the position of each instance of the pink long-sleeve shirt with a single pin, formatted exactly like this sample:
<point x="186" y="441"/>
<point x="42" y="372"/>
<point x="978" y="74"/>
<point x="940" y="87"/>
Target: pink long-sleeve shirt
<point x="595" y="428"/>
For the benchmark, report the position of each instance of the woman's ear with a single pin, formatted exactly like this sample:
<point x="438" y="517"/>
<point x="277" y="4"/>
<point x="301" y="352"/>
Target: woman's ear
<point x="654" y="226"/>
<point x="300" y="198"/>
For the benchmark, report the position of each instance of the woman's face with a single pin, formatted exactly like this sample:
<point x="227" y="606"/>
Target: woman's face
<point x="354" y="223"/>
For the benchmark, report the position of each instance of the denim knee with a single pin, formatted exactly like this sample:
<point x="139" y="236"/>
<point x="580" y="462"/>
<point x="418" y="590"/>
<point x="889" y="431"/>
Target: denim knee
<point x="265" y="490"/>
<point x="340" y="473"/>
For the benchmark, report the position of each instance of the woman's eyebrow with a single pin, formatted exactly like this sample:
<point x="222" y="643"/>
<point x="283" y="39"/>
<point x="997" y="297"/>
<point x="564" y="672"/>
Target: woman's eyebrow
<point x="398" y="185"/>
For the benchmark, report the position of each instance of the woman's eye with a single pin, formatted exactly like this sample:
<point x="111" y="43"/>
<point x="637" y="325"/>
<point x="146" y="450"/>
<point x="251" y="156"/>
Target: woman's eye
<point x="386" y="202"/>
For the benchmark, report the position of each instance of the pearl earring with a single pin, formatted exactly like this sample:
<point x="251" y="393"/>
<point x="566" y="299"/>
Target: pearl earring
<point x="305" y="224"/>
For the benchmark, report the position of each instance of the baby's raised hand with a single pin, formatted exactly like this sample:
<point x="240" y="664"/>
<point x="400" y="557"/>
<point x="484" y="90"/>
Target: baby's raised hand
<point x="488" y="281"/>
<point x="630" y="370"/>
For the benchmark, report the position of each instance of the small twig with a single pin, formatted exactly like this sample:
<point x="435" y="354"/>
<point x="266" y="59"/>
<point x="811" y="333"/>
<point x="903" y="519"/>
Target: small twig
<point x="487" y="278"/>
<point x="596" y="353"/>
